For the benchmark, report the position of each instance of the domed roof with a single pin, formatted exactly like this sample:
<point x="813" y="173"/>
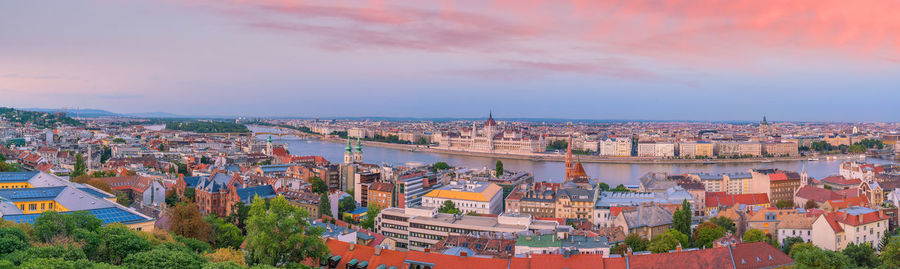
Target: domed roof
<point x="490" y="121"/>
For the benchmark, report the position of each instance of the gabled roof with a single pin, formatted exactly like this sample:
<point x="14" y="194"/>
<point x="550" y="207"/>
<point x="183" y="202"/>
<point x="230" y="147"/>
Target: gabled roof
<point x="647" y="216"/>
<point x="265" y="191"/>
<point x="759" y="255"/>
<point x="716" y="199"/>
<point x="841" y="180"/>
<point x="817" y="194"/>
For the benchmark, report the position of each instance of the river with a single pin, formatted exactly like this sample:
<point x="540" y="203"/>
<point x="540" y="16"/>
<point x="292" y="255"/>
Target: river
<point x="547" y="170"/>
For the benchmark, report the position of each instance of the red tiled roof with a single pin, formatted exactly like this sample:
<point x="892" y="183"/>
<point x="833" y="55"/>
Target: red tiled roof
<point x="381" y="186"/>
<point x="706" y="258"/>
<point x="841" y="180"/>
<point x="715" y="199"/>
<point x="861" y="219"/>
<point x="817" y="194"/>
<point x="759" y="255"/>
<point x="777" y="176"/>
<point x="848" y="202"/>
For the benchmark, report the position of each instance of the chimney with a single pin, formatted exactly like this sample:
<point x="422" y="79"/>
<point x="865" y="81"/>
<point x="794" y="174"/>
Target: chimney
<point x="427" y="250"/>
<point x="377" y="250"/>
<point x="352" y="246"/>
<point x="628" y="251"/>
<point x="463" y="254"/>
<point x="678" y="248"/>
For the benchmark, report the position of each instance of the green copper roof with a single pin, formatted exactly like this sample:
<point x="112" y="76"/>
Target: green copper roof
<point x="358" y="145"/>
<point x="540" y="241"/>
<point x="349" y="147"/>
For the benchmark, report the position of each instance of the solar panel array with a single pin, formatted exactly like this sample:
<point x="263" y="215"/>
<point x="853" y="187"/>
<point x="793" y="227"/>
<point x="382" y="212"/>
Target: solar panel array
<point x="31" y="194"/>
<point x="115" y="214"/>
<point x="107" y="215"/>
<point x="16" y="176"/>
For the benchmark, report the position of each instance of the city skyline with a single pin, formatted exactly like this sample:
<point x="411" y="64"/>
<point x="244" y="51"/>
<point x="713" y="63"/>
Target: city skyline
<point x="736" y="60"/>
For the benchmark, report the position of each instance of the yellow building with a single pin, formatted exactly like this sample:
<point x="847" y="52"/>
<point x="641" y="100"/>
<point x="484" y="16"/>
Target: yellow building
<point x="43" y="192"/>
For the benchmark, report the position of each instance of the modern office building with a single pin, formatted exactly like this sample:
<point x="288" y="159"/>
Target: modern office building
<point x="418" y="228"/>
<point x="471" y="196"/>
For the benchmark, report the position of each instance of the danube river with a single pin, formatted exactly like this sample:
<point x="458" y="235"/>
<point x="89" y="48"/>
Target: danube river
<point x="546" y="170"/>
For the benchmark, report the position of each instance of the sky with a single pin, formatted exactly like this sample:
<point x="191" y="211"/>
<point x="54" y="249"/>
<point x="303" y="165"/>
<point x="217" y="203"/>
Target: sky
<point x="796" y="60"/>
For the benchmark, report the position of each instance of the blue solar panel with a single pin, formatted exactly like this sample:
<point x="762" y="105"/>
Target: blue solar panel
<point x="31" y="194"/>
<point x="107" y="215"/>
<point x="16" y="176"/>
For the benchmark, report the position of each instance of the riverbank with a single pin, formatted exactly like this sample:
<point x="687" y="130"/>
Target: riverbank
<point x="544" y="157"/>
<point x="583" y="158"/>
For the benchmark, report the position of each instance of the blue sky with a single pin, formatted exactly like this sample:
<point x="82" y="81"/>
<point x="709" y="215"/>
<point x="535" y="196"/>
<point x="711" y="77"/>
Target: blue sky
<point x="665" y="60"/>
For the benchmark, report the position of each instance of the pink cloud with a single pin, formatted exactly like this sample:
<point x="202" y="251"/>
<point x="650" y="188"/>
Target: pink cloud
<point x="704" y="34"/>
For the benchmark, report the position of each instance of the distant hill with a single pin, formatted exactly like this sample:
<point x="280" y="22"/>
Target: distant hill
<point x="83" y="113"/>
<point x="38" y="119"/>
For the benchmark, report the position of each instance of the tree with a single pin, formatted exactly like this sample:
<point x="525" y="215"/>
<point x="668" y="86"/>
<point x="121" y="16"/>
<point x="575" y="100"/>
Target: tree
<point x="239" y="214"/>
<point x="280" y="235"/>
<point x="754" y="235"/>
<point x="79" y="168"/>
<point x="884" y="241"/>
<point x="810" y="204"/>
<point x="681" y="220"/>
<point x="603" y="186"/>
<point x="789" y="242"/>
<point x="499" y="169"/>
<point x="346" y="204"/>
<point x="684" y="239"/>
<point x="12" y="239"/>
<point x="439" y="166"/>
<point x="620" y="188"/>
<point x="863" y="255"/>
<point x="318" y="186"/>
<point x="890" y="254"/>
<point x="783" y="204"/>
<point x="187" y="220"/>
<point x="117" y="242"/>
<point x="124" y="199"/>
<point x="806" y="255"/>
<point x="636" y="242"/>
<point x="724" y="222"/>
<point x="448" y="207"/>
<point x="706" y="233"/>
<point x="371" y="214"/>
<point x="51" y="224"/>
<point x="189" y="193"/>
<point x="227" y="255"/>
<point x="226" y="234"/>
<point x="164" y="258"/>
<point x="663" y="242"/>
<point x="324" y="206"/>
<point x="194" y="245"/>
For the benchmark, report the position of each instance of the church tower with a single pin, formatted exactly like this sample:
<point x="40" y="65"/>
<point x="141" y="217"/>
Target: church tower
<point x="358" y="155"/>
<point x="269" y="146"/>
<point x="348" y="153"/>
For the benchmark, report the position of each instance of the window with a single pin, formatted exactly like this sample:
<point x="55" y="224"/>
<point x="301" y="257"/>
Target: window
<point x="32" y="207"/>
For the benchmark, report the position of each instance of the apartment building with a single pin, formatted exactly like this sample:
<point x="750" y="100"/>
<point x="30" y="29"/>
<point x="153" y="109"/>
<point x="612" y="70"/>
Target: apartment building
<point x="418" y="228"/>
<point x="780" y="149"/>
<point x="471" y="196"/>
<point x="381" y="194"/>
<point x="537" y="199"/>
<point x="696" y="149"/>
<point x="833" y="231"/>
<point x="738" y="148"/>
<point x="731" y="183"/>
<point x="575" y="204"/>
<point x="614" y="146"/>
<point x="656" y="149"/>
<point x="780" y="185"/>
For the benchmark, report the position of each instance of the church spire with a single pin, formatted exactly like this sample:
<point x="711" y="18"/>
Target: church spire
<point x="349" y="147"/>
